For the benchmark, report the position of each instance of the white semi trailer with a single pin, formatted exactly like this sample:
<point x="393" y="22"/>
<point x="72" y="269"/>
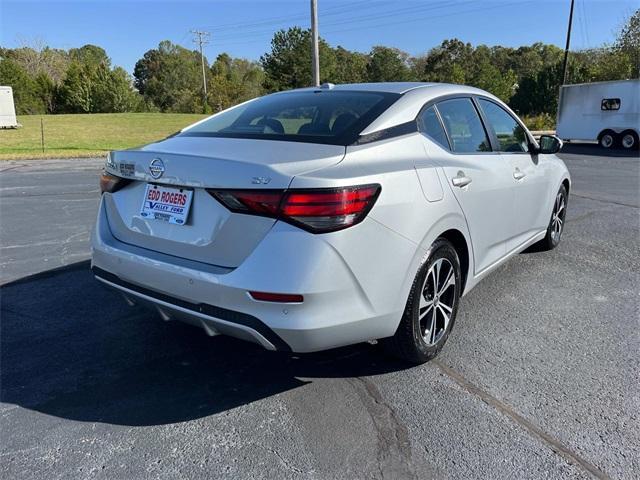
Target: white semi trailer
<point x="606" y="112"/>
<point x="7" y="109"/>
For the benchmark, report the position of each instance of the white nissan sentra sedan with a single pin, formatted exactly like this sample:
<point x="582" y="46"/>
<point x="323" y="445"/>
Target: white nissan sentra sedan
<point x="321" y="217"/>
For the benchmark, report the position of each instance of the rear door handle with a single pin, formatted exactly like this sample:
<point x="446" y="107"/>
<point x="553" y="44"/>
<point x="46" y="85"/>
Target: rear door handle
<point x="518" y="175"/>
<point x="461" y="180"/>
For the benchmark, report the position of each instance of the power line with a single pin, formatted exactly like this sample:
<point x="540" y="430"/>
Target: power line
<point x="580" y="18"/>
<point x="396" y="12"/>
<point x="379" y="15"/>
<point x="202" y="39"/>
<point x="450" y="14"/>
<point x="586" y="23"/>
<point x="338" y="10"/>
<point x="400" y="11"/>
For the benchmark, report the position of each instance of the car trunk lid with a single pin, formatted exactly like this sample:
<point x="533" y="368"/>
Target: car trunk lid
<point x="211" y="233"/>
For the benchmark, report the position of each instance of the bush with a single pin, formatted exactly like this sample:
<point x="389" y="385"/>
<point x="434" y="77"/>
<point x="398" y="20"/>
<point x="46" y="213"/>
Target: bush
<point x="544" y="121"/>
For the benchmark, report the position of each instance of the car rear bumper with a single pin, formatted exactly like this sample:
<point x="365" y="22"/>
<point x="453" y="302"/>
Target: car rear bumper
<point x="214" y="320"/>
<point x="341" y="305"/>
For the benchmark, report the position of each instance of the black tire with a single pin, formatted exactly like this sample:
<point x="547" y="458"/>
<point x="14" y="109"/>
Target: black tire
<point x="409" y="343"/>
<point x="551" y="239"/>
<point x="608" y="139"/>
<point x="629" y="140"/>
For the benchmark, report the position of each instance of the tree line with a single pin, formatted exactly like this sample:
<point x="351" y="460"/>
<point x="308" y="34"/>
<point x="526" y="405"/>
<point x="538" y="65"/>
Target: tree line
<point x="169" y="78"/>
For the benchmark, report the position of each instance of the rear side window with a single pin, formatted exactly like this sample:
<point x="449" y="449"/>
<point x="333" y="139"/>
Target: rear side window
<point x="610" y="104"/>
<point x="511" y="135"/>
<point x="334" y="117"/>
<point x="429" y="124"/>
<point x="464" y="126"/>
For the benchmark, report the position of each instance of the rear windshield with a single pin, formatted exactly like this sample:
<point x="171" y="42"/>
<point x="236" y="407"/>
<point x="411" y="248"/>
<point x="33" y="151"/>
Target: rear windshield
<point x="320" y="116"/>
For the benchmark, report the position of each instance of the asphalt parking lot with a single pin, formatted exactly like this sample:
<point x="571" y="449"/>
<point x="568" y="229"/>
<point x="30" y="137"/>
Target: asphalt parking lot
<point x="539" y="379"/>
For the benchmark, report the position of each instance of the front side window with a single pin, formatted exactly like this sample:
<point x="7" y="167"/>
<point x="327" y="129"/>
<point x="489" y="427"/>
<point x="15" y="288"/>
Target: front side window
<point x="334" y="117"/>
<point x="429" y="124"/>
<point x="610" y="104"/>
<point x="464" y="126"/>
<point x="511" y="135"/>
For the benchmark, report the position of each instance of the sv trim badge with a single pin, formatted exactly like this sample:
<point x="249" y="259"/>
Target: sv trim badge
<point x="156" y="168"/>
<point x="260" y="180"/>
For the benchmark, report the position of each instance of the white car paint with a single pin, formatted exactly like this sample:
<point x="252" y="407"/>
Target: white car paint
<point x="355" y="281"/>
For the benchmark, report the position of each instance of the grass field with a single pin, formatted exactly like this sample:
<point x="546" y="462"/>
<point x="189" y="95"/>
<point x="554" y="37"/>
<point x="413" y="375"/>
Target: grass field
<point x="91" y="135"/>
<point x="87" y="135"/>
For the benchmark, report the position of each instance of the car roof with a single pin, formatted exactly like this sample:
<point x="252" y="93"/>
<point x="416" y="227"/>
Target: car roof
<point x="390" y="87"/>
<point x="386" y="87"/>
<point x="413" y="96"/>
<point x="407" y="107"/>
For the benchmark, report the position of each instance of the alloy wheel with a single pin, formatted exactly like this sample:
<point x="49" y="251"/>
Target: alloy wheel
<point x="557" y="219"/>
<point x="437" y="301"/>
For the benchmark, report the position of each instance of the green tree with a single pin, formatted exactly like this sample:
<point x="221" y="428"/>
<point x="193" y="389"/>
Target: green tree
<point x="232" y="81"/>
<point x="288" y="64"/>
<point x="450" y="62"/>
<point x="350" y="67"/>
<point x="92" y="86"/>
<point x="488" y="77"/>
<point x="90" y="55"/>
<point x="25" y="95"/>
<point x="39" y="60"/>
<point x="46" y="90"/>
<point x="628" y="42"/>
<point x="388" y="65"/>
<point x="170" y="78"/>
<point x="602" y="64"/>
<point x="538" y="94"/>
<point x="485" y="74"/>
<point x="74" y="93"/>
<point x="45" y="68"/>
<point x="526" y="61"/>
<point x="112" y="91"/>
<point x="629" y="35"/>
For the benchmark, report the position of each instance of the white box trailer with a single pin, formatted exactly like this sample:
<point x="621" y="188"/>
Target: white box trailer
<point x="606" y="112"/>
<point x="7" y="109"/>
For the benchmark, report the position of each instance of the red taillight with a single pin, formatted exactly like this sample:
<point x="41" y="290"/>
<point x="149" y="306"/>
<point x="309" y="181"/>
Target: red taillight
<point x="258" y="202"/>
<point x="277" y="297"/>
<point x="316" y="210"/>
<point x="110" y="183"/>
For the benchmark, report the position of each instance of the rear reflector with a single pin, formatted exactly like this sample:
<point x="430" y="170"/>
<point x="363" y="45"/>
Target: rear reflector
<point x="315" y="210"/>
<point x="276" y="297"/>
<point x="110" y="183"/>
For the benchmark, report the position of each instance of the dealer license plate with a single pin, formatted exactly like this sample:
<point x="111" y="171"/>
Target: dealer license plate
<point x="166" y="204"/>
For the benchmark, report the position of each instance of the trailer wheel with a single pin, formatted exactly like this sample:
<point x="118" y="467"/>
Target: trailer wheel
<point x="607" y="139"/>
<point x="629" y="139"/>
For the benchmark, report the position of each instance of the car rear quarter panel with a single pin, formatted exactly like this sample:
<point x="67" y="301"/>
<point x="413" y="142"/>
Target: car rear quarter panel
<point x="388" y="263"/>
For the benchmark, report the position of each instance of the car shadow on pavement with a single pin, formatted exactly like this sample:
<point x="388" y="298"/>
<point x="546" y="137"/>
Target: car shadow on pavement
<point x="73" y="349"/>
<point x="595" y="150"/>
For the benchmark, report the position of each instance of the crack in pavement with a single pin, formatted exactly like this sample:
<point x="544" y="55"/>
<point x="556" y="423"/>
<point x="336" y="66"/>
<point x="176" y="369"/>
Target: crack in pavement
<point x="12" y="168"/>
<point x="394" y="447"/>
<point x="555" y="445"/>
<point x="285" y="462"/>
<point x="62" y="194"/>
<point x="614" y="202"/>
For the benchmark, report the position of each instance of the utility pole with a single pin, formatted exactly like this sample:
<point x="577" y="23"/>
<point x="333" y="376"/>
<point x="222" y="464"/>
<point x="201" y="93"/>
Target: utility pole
<point x="566" y="48"/>
<point x="202" y="40"/>
<point x="315" y="52"/>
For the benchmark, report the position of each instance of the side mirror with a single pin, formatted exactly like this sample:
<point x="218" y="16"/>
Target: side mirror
<point x="549" y="144"/>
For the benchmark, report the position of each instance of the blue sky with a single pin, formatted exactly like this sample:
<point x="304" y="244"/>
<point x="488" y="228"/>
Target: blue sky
<point x="243" y="28"/>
